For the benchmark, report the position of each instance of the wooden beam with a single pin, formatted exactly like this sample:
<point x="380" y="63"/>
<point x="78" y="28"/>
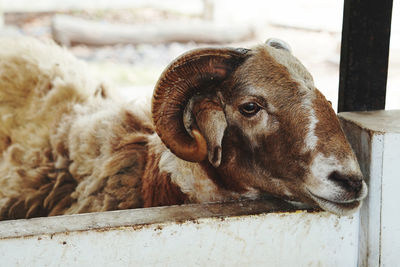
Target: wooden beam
<point x="69" y="30"/>
<point x="364" y="54"/>
<point x="188" y="7"/>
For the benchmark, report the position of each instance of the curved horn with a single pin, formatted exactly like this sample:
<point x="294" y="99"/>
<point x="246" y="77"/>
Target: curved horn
<point x="278" y="44"/>
<point x="195" y="72"/>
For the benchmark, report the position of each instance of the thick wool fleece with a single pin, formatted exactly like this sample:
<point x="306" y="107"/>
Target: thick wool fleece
<point x="66" y="146"/>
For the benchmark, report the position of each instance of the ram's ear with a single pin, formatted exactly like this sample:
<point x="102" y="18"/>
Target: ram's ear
<point x="209" y="117"/>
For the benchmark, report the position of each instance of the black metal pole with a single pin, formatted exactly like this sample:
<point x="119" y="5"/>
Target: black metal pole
<point x="364" y="54"/>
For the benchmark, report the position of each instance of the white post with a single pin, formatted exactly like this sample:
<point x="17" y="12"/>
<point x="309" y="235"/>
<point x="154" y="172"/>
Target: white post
<point x="375" y="137"/>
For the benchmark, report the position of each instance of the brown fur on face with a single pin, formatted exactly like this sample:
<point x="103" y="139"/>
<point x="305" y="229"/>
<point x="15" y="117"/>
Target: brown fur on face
<point x="329" y="130"/>
<point x="273" y="150"/>
<point x="264" y="147"/>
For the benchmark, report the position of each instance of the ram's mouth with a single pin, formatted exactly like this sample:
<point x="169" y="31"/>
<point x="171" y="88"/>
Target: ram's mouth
<point x="340" y="208"/>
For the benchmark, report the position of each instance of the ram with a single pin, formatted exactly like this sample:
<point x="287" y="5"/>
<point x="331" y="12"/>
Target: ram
<point x="225" y="124"/>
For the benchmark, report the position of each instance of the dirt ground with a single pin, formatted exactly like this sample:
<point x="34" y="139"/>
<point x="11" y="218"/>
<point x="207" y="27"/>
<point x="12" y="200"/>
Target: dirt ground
<point x="134" y="69"/>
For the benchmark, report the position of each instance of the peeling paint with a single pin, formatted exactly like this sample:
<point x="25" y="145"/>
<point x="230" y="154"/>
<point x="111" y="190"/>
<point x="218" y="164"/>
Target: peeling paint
<point x="249" y="236"/>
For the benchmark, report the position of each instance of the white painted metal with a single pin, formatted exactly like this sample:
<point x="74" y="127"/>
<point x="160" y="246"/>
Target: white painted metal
<point x="371" y="212"/>
<point x="296" y="238"/>
<point x="375" y="137"/>
<point x="390" y="228"/>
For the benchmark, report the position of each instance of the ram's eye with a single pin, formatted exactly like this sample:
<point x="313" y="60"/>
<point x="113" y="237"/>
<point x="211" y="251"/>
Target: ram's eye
<point x="249" y="109"/>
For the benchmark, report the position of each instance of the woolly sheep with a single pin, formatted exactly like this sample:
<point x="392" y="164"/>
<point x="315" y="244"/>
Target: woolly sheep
<point x="224" y="124"/>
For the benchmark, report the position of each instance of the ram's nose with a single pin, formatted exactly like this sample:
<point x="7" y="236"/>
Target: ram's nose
<point x="349" y="182"/>
<point x="353" y="184"/>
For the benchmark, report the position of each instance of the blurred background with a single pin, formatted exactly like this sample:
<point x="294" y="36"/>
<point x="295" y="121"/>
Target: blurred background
<point x="129" y="43"/>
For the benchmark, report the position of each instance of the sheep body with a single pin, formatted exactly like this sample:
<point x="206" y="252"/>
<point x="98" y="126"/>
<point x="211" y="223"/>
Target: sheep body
<point x="63" y="146"/>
